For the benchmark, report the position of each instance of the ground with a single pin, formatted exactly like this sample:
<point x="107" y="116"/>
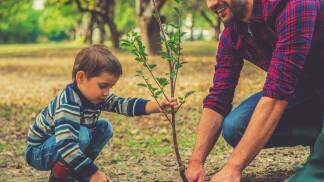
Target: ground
<point x="141" y="148"/>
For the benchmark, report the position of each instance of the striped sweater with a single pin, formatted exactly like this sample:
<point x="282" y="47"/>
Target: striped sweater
<point x="63" y="117"/>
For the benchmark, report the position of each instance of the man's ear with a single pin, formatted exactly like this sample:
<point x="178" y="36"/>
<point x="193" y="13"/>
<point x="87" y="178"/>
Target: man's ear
<point x="80" y="77"/>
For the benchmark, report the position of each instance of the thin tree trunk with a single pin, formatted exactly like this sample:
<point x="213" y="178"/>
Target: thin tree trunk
<point x="148" y="25"/>
<point x="102" y="31"/>
<point x="150" y="34"/>
<point x="114" y="34"/>
<point x="192" y="26"/>
<point x="89" y="32"/>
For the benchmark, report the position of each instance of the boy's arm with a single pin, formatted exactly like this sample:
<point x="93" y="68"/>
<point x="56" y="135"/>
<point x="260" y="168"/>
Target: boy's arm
<point x="125" y="106"/>
<point x="152" y="107"/>
<point x="67" y="125"/>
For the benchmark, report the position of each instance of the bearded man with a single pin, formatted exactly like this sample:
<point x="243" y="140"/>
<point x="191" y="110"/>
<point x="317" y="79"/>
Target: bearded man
<point x="285" y="38"/>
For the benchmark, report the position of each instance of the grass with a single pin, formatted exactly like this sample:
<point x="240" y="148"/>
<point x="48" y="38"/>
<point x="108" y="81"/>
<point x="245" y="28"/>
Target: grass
<point x="141" y="149"/>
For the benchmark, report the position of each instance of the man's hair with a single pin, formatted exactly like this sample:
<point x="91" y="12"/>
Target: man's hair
<point x="95" y="60"/>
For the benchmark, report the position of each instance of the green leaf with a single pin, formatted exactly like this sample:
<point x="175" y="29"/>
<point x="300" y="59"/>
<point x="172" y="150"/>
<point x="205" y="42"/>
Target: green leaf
<point x="151" y="66"/>
<point x="162" y="81"/>
<point x="139" y="72"/>
<point x="176" y="10"/>
<point x="125" y="43"/>
<point x="189" y="93"/>
<point x="158" y="92"/>
<point x="142" y="85"/>
<point x="178" y="65"/>
<point x="138" y="59"/>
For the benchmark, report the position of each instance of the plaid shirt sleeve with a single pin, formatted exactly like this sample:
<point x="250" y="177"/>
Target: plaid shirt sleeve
<point x="227" y="71"/>
<point x="295" y="27"/>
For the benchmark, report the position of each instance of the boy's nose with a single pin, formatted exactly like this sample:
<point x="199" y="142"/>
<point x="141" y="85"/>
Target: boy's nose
<point x="106" y="92"/>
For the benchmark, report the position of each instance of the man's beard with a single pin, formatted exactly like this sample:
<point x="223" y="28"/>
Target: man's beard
<point x="239" y="9"/>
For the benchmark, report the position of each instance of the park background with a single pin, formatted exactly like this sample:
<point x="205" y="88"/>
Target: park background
<point x="39" y="39"/>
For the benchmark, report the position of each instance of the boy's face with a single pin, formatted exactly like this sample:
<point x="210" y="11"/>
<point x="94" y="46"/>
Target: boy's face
<point x="95" y="89"/>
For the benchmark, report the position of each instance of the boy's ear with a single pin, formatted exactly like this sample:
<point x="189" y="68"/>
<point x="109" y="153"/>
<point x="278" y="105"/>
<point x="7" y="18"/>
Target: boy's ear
<point x="80" y="76"/>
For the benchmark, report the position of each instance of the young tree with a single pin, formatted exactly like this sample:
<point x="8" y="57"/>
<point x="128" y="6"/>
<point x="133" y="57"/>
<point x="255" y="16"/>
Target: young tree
<point x="171" y="38"/>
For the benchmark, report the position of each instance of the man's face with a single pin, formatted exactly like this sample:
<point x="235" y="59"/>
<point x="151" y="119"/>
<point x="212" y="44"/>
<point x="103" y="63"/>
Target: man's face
<point x="228" y="9"/>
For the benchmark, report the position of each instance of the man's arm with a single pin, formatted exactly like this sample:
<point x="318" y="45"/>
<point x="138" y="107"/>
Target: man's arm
<point x="206" y="134"/>
<point x="263" y="123"/>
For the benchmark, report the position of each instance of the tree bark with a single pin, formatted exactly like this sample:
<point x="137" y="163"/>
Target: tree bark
<point x="104" y="9"/>
<point x="89" y="31"/>
<point x="151" y="35"/>
<point x="102" y="31"/>
<point x="108" y="12"/>
<point x="148" y="25"/>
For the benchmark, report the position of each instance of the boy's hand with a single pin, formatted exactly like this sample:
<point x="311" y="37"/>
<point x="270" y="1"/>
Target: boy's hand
<point x="99" y="177"/>
<point x="153" y="107"/>
<point x="172" y="104"/>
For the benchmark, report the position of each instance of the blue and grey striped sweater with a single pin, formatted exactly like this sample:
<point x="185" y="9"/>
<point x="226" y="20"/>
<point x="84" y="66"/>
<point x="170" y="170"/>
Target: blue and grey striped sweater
<point x="63" y="117"/>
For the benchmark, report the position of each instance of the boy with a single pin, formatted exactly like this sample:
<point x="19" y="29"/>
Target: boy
<point x="68" y="135"/>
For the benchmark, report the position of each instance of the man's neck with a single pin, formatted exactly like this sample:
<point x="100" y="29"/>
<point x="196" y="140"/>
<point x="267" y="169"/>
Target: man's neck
<point x="249" y="8"/>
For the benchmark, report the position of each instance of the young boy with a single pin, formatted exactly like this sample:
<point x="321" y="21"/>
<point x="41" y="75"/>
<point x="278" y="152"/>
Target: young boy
<point x="68" y="135"/>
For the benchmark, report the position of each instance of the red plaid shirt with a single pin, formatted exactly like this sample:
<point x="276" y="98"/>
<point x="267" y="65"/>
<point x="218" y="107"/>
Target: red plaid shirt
<point x="286" y="39"/>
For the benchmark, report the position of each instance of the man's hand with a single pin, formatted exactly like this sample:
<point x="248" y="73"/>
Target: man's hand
<point x="195" y="172"/>
<point x="99" y="177"/>
<point x="227" y="174"/>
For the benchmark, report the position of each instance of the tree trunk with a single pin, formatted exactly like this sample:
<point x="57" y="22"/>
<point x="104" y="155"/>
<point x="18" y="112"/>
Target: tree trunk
<point x="114" y="34"/>
<point x="192" y="26"/>
<point x="108" y="13"/>
<point x="150" y="34"/>
<point x="149" y="27"/>
<point x="102" y="31"/>
<point x="89" y="33"/>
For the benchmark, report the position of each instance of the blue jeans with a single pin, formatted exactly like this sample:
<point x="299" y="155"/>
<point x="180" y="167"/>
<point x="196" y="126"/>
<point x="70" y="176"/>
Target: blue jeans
<point x="300" y="124"/>
<point x="91" y="142"/>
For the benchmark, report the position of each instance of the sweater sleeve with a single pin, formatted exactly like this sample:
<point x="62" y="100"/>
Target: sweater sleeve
<point x="67" y="126"/>
<point x="125" y="106"/>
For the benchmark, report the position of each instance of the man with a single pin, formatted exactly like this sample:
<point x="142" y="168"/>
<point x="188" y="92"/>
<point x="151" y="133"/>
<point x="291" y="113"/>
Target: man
<point x="286" y="39"/>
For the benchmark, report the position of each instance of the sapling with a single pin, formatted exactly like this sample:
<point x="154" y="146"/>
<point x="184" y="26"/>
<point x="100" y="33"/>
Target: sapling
<point x="171" y="40"/>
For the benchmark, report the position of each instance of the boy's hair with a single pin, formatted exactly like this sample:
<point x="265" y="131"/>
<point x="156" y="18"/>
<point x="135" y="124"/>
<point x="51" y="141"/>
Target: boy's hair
<point x="95" y="60"/>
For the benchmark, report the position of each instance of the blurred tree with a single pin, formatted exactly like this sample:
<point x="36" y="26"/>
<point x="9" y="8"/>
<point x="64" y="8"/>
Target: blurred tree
<point x="213" y="21"/>
<point x="200" y="17"/>
<point x="101" y="12"/>
<point x="59" y="21"/>
<point x="148" y="25"/>
<point x="18" y="21"/>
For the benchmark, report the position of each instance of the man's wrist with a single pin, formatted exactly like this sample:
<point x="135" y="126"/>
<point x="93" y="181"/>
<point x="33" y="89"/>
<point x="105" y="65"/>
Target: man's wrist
<point x="234" y="165"/>
<point x="197" y="161"/>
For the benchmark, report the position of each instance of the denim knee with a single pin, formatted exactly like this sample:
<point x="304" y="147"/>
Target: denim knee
<point x="105" y="128"/>
<point x="231" y="132"/>
<point x="84" y="137"/>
